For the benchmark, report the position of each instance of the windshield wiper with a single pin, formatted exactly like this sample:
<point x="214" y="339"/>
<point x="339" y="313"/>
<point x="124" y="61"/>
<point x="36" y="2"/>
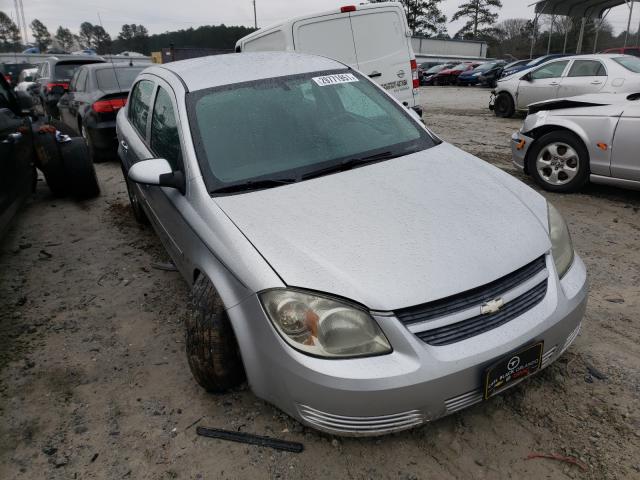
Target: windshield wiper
<point x="254" y="185"/>
<point x="350" y="163"/>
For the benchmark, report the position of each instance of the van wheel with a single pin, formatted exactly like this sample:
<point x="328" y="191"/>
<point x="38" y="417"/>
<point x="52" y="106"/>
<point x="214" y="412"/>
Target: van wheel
<point x="559" y="162"/>
<point x="504" y="106"/>
<point x="212" y="350"/>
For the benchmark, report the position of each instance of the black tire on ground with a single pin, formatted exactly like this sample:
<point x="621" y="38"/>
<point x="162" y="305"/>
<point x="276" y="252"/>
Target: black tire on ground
<point x="211" y="346"/>
<point x="137" y="210"/>
<point x="504" y="106"/>
<point x="97" y="155"/>
<point x="564" y="137"/>
<point x="80" y="173"/>
<point x="49" y="161"/>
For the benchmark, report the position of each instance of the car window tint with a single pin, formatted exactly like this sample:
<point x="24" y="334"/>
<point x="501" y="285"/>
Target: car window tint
<point x="165" y="141"/>
<point x="587" y="68"/>
<point x="117" y="78"/>
<point x="552" y="70"/>
<point x="139" y="105"/>
<point x="64" y="71"/>
<point x="630" y="63"/>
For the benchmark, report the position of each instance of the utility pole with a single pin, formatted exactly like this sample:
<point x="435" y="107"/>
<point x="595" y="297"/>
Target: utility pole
<point x="255" y="15"/>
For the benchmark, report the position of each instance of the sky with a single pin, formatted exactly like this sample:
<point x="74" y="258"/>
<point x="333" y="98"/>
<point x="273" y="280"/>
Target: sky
<point x="164" y="15"/>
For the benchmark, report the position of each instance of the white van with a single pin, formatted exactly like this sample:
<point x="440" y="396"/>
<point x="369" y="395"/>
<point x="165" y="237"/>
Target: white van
<point x="373" y="38"/>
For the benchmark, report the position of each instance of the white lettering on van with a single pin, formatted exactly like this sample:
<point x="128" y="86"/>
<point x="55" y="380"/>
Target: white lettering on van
<point x="335" y="79"/>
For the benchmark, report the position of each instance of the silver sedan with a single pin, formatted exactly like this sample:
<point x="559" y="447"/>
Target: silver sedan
<point x="563" y="144"/>
<point x="365" y="276"/>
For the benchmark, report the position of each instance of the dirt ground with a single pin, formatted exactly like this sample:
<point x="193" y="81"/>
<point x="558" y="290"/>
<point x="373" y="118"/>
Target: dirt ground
<point x="94" y="382"/>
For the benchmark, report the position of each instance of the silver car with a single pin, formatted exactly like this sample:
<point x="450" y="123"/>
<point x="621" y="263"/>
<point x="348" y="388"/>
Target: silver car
<point x="566" y="77"/>
<point x="563" y="144"/>
<point x="365" y="276"/>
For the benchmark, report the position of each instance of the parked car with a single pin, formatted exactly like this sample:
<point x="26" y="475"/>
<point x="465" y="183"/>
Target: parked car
<point x="54" y="72"/>
<point x="374" y="38"/>
<point x="11" y="71"/>
<point x="17" y="167"/>
<point x="472" y="77"/>
<point x="85" y="51"/>
<point x="449" y="76"/>
<point x="566" y="143"/>
<point x="565" y="77"/>
<point x="490" y="77"/>
<point x="429" y="75"/>
<point x="424" y="66"/>
<point x="96" y="93"/>
<point x="469" y="284"/>
<point x="635" y="51"/>
<point x="530" y="64"/>
<point x="130" y="54"/>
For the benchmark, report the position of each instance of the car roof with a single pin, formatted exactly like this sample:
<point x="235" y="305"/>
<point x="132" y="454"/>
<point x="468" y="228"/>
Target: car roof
<point x="101" y="65"/>
<point x="218" y="70"/>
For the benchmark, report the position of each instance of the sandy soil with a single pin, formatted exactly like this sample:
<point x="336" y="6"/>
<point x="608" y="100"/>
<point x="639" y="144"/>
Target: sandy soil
<point x="94" y="382"/>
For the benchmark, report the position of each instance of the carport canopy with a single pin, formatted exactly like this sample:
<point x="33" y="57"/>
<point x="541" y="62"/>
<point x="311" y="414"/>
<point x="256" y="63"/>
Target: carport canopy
<point x="577" y="8"/>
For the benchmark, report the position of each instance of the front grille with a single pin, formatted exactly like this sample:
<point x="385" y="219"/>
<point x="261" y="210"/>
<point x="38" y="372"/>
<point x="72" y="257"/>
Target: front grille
<point x="470" y="298"/>
<point x="459" y="331"/>
<point x="360" y="426"/>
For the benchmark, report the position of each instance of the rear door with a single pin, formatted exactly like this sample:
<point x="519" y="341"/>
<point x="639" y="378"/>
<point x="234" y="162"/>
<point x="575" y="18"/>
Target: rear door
<point x="625" y="162"/>
<point x="543" y="84"/>
<point x="585" y="76"/>
<point x="383" y="50"/>
<point x="328" y="36"/>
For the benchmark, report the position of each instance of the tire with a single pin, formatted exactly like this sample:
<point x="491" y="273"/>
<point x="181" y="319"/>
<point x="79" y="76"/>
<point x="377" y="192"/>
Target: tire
<point x="211" y="346"/>
<point x="504" y="106"/>
<point x="95" y="154"/>
<point x="80" y="173"/>
<point x="559" y="162"/>
<point x="49" y="161"/>
<point x="136" y="208"/>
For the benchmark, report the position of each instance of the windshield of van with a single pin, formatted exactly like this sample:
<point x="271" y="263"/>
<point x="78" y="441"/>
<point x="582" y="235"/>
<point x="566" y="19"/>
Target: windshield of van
<point x="630" y="63"/>
<point x="287" y="129"/>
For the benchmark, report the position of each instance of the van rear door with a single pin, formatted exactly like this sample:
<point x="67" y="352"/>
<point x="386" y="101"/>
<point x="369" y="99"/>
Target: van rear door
<point x="383" y="49"/>
<point x="327" y="35"/>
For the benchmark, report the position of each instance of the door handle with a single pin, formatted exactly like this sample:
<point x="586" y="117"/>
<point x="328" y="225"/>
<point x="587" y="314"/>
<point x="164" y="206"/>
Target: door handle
<point x="375" y="74"/>
<point x="596" y="82"/>
<point x="554" y="84"/>
<point x="13" y="138"/>
<point x="124" y="145"/>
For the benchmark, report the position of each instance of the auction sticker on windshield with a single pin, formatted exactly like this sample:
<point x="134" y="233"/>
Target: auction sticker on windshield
<point x="335" y="79"/>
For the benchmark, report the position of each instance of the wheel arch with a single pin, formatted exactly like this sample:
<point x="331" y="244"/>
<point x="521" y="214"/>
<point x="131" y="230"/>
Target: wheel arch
<point x="539" y="132"/>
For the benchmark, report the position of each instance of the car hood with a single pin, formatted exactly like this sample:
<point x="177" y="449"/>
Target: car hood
<point x="397" y="233"/>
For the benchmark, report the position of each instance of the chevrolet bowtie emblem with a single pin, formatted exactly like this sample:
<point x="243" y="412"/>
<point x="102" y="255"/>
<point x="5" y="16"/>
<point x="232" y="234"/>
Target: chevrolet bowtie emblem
<point x="492" y="306"/>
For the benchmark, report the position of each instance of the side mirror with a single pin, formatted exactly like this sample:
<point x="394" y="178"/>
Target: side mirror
<point x="157" y="172"/>
<point x="528" y="77"/>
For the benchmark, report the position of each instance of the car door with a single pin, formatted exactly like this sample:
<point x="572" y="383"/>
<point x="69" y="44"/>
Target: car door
<point x="625" y="161"/>
<point x="77" y="99"/>
<point x="16" y="155"/>
<point x="64" y="102"/>
<point x="585" y="76"/>
<point x="541" y="83"/>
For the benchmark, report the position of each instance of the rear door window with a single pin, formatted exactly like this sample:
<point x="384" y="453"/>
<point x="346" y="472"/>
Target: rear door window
<point x="587" y="68"/>
<point x="139" y="105"/>
<point x="165" y="140"/>
<point x="327" y="36"/>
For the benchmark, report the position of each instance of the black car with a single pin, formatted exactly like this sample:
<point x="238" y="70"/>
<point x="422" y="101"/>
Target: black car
<point x="55" y="72"/>
<point x="17" y="155"/>
<point x="96" y="94"/>
<point x="11" y="71"/>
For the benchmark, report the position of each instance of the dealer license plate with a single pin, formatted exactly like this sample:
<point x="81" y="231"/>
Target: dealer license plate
<point x="512" y="368"/>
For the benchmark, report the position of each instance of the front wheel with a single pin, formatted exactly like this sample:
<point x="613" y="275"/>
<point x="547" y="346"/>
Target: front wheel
<point x="559" y="162"/>
<point x="504" y="106"/>
<point x="212" y="350"/>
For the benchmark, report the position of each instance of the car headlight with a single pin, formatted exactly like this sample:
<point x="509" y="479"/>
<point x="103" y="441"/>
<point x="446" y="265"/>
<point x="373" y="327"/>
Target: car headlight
<point x="561" y="245"/>
<point x="323" y="326"/>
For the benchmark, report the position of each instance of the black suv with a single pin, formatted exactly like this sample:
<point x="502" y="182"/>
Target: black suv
<point x="56" y="72"/>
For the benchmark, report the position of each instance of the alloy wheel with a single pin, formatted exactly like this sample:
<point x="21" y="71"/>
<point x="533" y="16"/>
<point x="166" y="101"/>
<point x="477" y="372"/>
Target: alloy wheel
<point x="557" y="163"/>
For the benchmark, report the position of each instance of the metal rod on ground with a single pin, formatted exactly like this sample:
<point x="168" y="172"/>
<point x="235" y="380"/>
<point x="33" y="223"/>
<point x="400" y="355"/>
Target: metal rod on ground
<point x="581" y="36"/>
<point x="553" y="19"/>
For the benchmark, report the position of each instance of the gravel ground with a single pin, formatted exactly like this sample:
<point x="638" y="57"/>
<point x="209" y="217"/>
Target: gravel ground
<point x="94" y="382"/>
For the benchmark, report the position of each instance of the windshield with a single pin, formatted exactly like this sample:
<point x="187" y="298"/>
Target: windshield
<point x="117" y="78"/>
<point x="485" y="66"/>
<point x="461" y="66"/>
<point x="289" y="128"/>
<point x="630" y="63"/>
<point x="436" y="69"/>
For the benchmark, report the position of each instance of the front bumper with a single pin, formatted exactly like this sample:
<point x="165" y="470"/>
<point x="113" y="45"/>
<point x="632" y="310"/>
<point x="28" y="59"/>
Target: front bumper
<point x="520" y="145"/>
<point x="414" y="384"/>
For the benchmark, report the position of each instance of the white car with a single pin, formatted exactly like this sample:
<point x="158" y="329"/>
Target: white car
<point x="566" y="77"/>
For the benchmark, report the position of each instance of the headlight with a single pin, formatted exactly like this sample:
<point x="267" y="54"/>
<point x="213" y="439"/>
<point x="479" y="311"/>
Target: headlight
<point x="323" y="326"/>
<point x="561" y="245"/>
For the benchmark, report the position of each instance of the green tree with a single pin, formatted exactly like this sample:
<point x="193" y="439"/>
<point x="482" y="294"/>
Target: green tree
<point x="478" y="13"/>
<point x="9" y="33"/>
<point x="101" y="39"/>
<point x="41" y="34"/>
<point x="424" y="16"/>
<point x="133" y="37"/>
<point x="65" y="38"/>
<point x="86" y="35"/>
